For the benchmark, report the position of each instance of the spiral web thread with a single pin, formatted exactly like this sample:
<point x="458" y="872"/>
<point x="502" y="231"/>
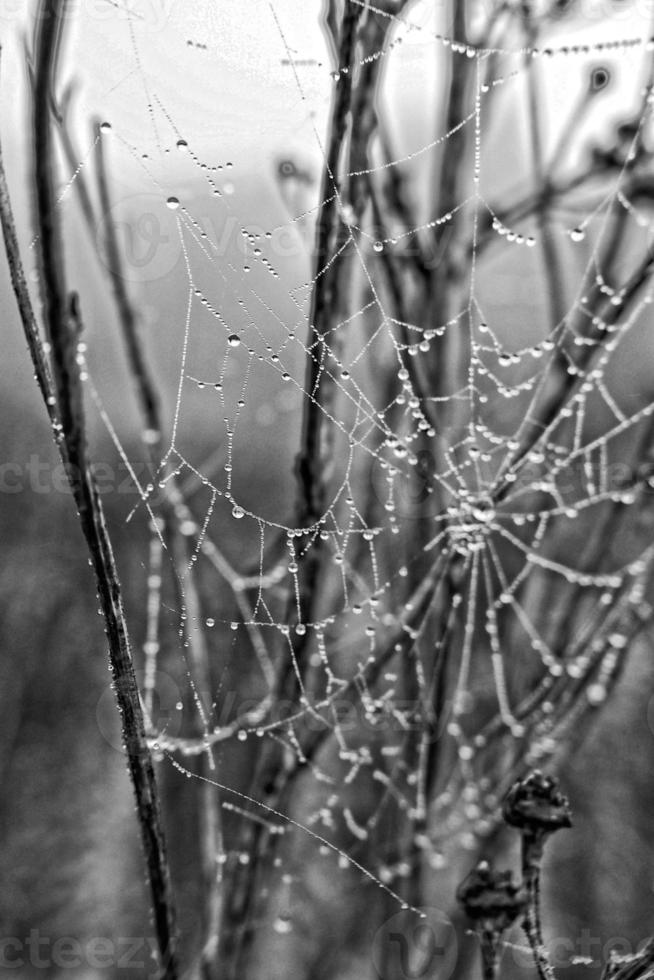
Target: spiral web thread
<point x="480" y="563"/>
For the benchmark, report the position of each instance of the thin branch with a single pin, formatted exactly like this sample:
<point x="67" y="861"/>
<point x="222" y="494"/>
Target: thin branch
<point x="63" y="325"/>
<point x="26" y="312"/>
<point x="145" y="386"/>
<point x="61" y="113"/>
<point x="310" y="459"/>
<point x="174" y="512"/>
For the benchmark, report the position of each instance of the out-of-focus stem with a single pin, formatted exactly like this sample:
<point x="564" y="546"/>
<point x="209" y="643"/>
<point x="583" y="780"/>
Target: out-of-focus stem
<point x="63" y="322"/>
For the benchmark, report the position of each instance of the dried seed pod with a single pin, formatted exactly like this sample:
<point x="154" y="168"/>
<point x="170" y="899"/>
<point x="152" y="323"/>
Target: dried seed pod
<point x="493" y="902"/>
<point x="491" y="898"/>
<point x="536" y="805"/>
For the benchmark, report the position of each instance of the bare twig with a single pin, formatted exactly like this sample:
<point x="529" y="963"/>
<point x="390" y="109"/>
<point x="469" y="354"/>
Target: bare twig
<point x="63" y="325"/>
<point x="146" y="389"/>
<point x="174" y="512"/>
<point x="310" y="459"/>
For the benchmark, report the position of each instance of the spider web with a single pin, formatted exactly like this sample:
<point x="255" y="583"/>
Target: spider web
<point x="459" y="586"/>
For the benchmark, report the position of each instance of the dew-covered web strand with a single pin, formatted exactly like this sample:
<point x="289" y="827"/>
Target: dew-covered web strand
<point x="499" y="546"/>
<point x="342" y="207"/>
<point x="70" y="183"/>
<point x="592" y="263"/>
<point x="370" y="415"/>
<point x="157" y="549"/>
<point x="235" y="338"/>
<point x="301" y="827"/>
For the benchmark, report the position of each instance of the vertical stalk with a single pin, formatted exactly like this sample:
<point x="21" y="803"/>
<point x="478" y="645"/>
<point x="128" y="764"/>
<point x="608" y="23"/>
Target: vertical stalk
<point x="63" y="323"/>
<point x="173" y="512"/>
<point x="438" y="301"/>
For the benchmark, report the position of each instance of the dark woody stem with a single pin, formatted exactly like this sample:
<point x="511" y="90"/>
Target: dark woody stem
<point x="532" y="853"/>
<point x="489" y="953"/>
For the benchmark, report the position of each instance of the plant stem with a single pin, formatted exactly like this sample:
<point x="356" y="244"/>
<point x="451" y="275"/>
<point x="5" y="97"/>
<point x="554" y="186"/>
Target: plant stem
<point x="532" y="851"/>
<point x="489" y="954"/>
<point x="310" y="459"/>
<point x="64" y="323"/>
<point x="174" y="512"/>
